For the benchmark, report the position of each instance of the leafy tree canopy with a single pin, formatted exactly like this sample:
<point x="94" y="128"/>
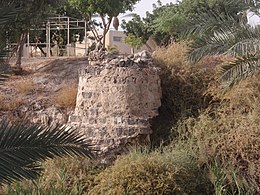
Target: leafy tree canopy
<point x="103" y="8"/>
<point x="135" y="43"/>
<point x="178" y="20"/>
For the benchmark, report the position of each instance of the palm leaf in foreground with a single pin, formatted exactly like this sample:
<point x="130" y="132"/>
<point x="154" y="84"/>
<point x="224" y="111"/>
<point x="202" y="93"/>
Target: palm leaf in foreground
<point x="239" y="69"/>
<point x="23" y="147"/>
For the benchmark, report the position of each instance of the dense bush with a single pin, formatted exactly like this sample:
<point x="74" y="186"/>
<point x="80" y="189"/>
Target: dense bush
<point x="183" y="88"/>
<point x="226" y="138"/>
<point x="158" y="172"/>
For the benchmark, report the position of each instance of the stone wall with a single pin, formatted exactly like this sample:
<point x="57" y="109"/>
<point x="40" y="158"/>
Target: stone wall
<point x="115" y="101"/>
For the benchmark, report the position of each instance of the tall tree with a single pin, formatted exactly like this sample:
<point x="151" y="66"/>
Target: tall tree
<point x="151" y="26"/>
<point x="106" y="10"/>
<point x="7" y="14"/>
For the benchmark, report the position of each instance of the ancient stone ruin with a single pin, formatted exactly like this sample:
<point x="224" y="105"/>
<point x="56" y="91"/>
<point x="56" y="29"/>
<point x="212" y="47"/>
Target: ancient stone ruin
<point x="117" y="96"/>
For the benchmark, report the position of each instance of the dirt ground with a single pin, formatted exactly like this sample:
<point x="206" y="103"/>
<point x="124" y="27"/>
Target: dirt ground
<point x="41" y="79"/>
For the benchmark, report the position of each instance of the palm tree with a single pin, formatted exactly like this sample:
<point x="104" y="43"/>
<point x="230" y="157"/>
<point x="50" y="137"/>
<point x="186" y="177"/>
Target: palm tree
<point x="232" y="38"/>
<point x="23" y="147"/>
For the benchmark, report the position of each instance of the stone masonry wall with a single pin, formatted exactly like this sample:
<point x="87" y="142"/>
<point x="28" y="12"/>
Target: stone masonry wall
<point x="115" y="103"/>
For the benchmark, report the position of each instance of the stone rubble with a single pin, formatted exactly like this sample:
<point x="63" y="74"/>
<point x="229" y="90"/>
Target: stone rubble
<point x="104" y="58"/>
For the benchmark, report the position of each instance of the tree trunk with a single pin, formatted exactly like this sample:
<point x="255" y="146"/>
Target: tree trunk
<point x="106" y="29"/>
<point x="20" y="51"/>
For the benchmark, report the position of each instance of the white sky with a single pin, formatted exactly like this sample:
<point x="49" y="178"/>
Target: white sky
<point x="147" y="5"/>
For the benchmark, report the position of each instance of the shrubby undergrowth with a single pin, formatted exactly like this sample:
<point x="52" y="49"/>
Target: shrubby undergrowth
<point x="214" y="145"/>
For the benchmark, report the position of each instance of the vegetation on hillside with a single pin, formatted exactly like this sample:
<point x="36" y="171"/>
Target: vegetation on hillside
<point x="206" y="140"/>
<point x="213" y="147"/>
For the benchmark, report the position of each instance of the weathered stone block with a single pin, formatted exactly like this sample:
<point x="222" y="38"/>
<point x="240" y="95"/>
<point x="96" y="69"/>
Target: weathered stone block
<point x="115" y="101"/>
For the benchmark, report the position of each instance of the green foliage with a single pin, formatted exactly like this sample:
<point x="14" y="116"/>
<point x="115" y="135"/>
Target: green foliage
<point x="133" y="41"/>
<point x="170" y="22"/>
<point x="180" y="20"/>
<point x="144" y="28"/>
<point x="137" y="28"/>
<point x="104" y="9"/>
<point x="23" y="147"/>
<point x="235" y="39"/>
<point x="31" y="14"/>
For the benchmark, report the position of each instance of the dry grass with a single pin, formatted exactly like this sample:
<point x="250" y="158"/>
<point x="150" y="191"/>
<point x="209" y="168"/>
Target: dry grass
<point x="140" y="172"/>
<point x="61" y="176"/>
<point x="216" y="126"/>
<point x="10" y="104"/>
<point x="159" y="172"/>
<point x="66" y="97"/>
<point x="24" y="86"/>
<point x="183" y="88"/>
<point x="228" y="132"/>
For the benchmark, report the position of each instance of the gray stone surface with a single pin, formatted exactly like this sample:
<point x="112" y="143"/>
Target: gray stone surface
<point x="116" y="98"/>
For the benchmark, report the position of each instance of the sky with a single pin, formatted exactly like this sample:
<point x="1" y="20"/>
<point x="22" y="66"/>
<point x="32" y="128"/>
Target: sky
<point x="147" y="5"/>
<point x="143" y="6"/>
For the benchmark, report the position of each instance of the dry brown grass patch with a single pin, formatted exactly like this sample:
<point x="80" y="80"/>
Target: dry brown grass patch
<point x="183" y="87"/>
<point x="229" y="133"/>
<point x="66" y="97"/>
<point x="10" y="104"/>
<point x="24" y="86"/>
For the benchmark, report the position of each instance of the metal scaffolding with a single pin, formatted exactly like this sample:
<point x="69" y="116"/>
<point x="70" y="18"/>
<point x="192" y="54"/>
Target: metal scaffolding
<point x="61" y="23"/>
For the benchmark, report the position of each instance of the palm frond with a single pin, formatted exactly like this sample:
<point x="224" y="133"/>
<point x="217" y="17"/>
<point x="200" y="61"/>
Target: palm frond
<point x="236" y="41"/>
<point x="8" y="12"/>
<point x="239" y="69"/>
<point x="245" y="47"/>
<point x="218" y="44"/>
<point x="23" y="147"/>
<point x="208" y="23"/>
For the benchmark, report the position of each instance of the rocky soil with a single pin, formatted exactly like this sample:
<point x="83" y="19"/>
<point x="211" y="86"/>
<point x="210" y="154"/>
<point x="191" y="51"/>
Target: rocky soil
<point x="32" y="94"/>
